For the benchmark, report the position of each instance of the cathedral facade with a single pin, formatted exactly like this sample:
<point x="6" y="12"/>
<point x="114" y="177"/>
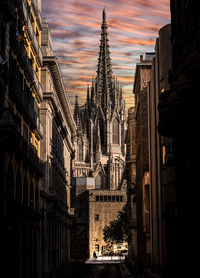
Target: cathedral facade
<point x="100" y="147"/>
<point x="99" y="185"/>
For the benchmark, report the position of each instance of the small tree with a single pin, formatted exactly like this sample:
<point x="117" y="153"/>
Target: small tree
<point x="117" y="230"/>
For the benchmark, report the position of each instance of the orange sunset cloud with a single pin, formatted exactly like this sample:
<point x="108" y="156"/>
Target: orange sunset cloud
<point x="76" y="27"/>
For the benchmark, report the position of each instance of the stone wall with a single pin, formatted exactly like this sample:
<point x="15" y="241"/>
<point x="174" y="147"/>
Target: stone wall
<point x="103" y="210"/>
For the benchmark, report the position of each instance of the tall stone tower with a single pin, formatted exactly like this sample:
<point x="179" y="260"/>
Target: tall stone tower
<point x="102" y="121"/>
<point x="99" y="186"/>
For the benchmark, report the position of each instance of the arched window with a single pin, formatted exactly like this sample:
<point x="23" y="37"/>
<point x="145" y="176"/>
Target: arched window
<point x="115" y="131"/>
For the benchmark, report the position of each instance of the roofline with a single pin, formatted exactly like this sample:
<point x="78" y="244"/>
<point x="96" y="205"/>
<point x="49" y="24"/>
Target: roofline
<point x="53" y="64"/>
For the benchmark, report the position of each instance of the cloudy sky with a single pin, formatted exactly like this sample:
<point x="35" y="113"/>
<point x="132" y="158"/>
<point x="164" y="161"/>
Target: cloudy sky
<point x="76" y="26"/>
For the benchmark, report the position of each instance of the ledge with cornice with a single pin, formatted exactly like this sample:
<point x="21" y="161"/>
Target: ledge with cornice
<point x="52" y="63"/>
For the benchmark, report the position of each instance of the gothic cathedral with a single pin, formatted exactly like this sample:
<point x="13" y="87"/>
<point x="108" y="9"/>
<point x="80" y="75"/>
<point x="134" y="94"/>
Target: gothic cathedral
<point x="99" y="144"/>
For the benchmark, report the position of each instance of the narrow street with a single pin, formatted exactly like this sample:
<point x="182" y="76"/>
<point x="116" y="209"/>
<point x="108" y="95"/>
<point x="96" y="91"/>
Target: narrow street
<point x="99" y="152"/>
<point x="94" y="271"/>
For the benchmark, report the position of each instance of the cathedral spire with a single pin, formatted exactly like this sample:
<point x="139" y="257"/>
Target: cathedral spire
<point x="104" y="71"/>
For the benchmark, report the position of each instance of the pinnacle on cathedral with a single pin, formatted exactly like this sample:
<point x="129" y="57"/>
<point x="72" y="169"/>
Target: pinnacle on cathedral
<point x="77" y="117"/>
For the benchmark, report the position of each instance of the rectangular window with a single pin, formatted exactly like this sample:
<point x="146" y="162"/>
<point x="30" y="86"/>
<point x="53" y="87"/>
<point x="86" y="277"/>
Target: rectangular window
<point x="117" y="198"/>
<point x="109" y="198"/>
<point x="97" y="198"/>
<point x="163" y="154"/>
<point x="105" y="198"/>
<point x="96" y="217"/>
<point x="113" y="198"/>
<point x="101" y="198"/>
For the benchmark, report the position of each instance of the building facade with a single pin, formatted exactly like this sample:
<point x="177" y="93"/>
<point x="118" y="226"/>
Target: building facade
<point x="21" y="132"/>
<point x="131" y="185"/>
<point x="161" y="160"/>
<point x="104" y="207"/>
<point x="178" y="119"/>
<point x="99" y="143"/>
<point x="142" y="77"/>
<point x="56" y="152"/>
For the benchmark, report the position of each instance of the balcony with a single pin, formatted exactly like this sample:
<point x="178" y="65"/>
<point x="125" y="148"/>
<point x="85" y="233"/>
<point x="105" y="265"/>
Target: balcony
<point x="37" y="49"/>
<point x="40" y="128"/>
<point x="22" y="58"/>
<point x="37" y="12"/>
<point x="24" y="10"/>
<point x="20" y="51"/>
<point x="23" y="100"/>
<point x="28" y="25"/>
<point x="28" y="153"/>
<point x="29" y="69"/>
<point x="37" y="86"/>
<point x="31" y="34"/>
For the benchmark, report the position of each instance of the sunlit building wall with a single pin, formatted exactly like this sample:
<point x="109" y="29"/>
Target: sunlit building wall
<point x="21" y="133"/>
<point x="56" y="152"/>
